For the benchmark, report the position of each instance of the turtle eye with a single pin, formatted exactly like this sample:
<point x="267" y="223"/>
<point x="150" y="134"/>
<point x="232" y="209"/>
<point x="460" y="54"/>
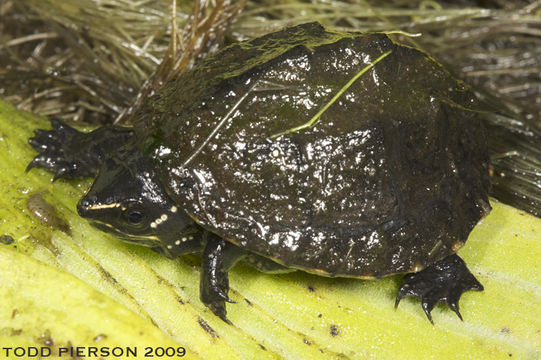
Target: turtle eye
<point x="134" y="217"/>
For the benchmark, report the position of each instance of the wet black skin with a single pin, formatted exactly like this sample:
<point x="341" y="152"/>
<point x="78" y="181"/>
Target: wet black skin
<point x="127" y="197"/>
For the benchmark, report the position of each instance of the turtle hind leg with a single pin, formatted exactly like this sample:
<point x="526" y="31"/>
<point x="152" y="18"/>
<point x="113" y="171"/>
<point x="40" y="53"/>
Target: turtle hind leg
<point x="443" y="281"/>
<point x="218" y="257"/>
<point x="70" y="153"/>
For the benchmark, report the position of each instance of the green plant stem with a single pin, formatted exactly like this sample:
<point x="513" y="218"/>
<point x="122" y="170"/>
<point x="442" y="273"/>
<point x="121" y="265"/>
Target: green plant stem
<point x="315" y="119"/>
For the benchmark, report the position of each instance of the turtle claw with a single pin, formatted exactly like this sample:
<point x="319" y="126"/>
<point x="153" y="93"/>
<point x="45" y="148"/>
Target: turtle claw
<point x="61" y="172"/>
<point x="32" y="164"/>
<point x="444" y="281"/>
<point x="218" y="309"/>
<point x="221" y="294"/>
<point x="215" y="297"/>
<point x="453" y="305"/>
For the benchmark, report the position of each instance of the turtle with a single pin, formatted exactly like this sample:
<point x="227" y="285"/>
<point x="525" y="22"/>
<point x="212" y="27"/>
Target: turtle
<point x="341" y="154"/>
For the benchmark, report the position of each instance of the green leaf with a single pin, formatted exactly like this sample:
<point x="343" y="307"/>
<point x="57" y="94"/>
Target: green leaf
<point x="122" y="290"/>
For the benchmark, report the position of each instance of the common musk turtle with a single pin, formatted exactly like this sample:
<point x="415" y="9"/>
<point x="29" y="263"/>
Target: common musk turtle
<point x="336" y="153"/>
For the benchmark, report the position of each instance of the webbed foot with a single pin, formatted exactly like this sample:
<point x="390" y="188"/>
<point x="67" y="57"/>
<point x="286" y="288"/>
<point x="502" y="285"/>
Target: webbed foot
<point x="218" y="257"/>
<point x="53" y="148"/>
<point x="443" y="281"/>
<point x="67" y="152"/>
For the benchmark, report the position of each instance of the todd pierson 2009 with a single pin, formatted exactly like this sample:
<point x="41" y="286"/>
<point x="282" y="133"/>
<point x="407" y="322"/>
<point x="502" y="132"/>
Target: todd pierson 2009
<point x="90" y="351"/>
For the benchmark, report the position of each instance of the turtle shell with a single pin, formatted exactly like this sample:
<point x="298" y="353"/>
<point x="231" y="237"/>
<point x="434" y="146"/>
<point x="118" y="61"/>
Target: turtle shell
<point x="391" y="178"/>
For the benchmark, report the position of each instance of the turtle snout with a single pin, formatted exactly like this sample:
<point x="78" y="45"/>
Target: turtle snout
<point x="88" y="208"/>
<point x="83" y="207"/>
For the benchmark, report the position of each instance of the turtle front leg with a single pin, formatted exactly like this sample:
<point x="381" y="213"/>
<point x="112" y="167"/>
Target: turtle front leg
<point x="443" y="281"/>
<point x="219" y="256"/>
<point x="70" y="153"/>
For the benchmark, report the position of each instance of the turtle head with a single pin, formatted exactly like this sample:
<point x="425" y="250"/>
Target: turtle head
<point x="128" y="200"/>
